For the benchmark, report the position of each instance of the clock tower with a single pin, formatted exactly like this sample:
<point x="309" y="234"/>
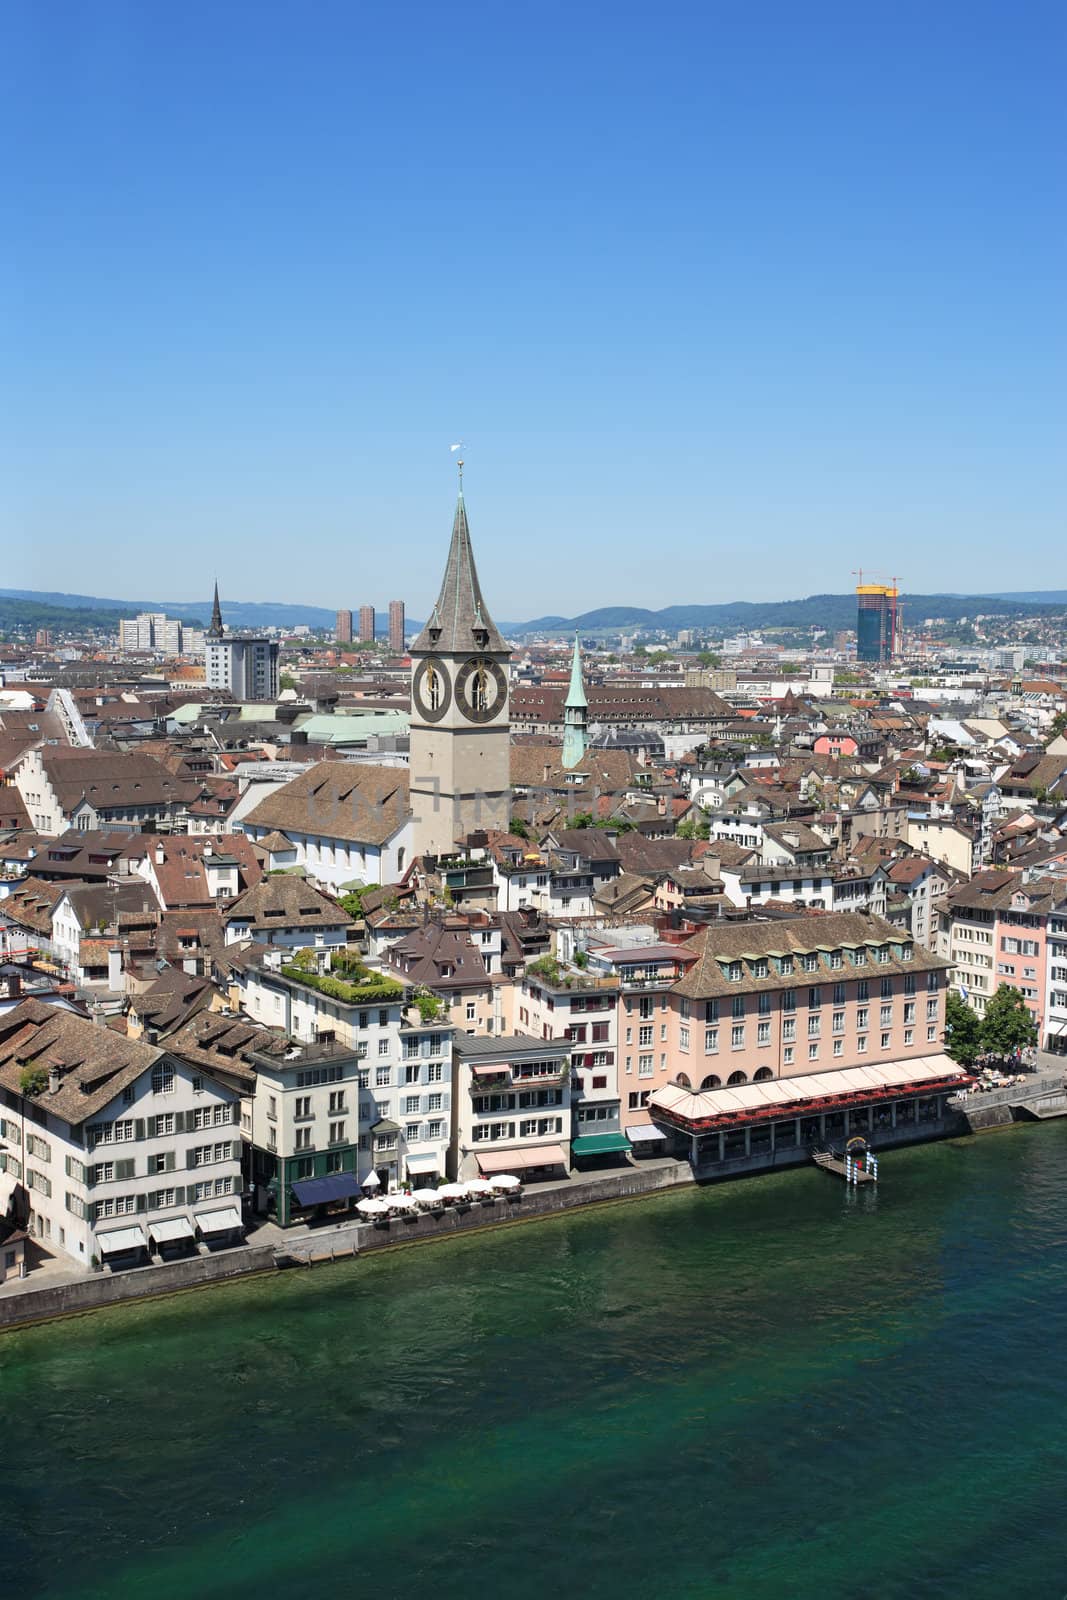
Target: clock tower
<point x="460" y="734"/>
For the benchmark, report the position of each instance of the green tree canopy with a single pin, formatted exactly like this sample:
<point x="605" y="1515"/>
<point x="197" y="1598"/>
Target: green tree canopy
<point x="963" y="1030"/>
<point x="1007" y="1025"/>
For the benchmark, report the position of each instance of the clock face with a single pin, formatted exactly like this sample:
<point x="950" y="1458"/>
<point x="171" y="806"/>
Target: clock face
<point x="481" y="689"/>
<point x="431" y="690"/>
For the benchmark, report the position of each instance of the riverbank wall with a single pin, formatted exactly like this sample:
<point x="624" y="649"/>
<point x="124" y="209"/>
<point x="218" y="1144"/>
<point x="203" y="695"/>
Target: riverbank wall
<point x="47" y="1302"/>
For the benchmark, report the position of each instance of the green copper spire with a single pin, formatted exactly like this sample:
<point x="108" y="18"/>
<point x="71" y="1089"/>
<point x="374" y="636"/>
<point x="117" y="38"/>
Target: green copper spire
<point x="576" y="692"/>
<point x="575" y="714"/>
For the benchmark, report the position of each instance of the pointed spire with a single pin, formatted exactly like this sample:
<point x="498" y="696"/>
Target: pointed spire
<point x="575" y="715"/>
<point x="215" y="628"/>
<point x="460" y="619"/>
<point x="576" y="692"/>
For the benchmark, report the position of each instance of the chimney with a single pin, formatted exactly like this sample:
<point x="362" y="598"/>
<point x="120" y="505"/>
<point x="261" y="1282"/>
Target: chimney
<point x="114" y="969"/>
<point x="159" y="855"/>
<point x="207" y="849"/>
<point x="53" y="1080"/>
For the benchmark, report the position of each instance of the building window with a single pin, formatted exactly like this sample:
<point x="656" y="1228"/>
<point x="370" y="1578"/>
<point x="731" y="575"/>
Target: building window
<point x="885" y="1016"/>
<point x="814" y="1026"/>
<point x="839" y="1047"/>
<point x="683" y="1038"/>
<point x="861" y="1044"/>
<point x="162" y="1080"/>
<point x="711" y="1041"/>
<point x="839" y="1022"/>
<point x="381" y="1078"/>
<point x="862" y="1016"/>
<point x="737" y="1037"/>
<point x="737" y="1006"/>
<point x="886" y="1038"/>
<point x="433" y="1102"/>
<point x="645" y="1066"/>
<point x="813" y="1052"/>
<point x="337" y="1133"/>
<point x="303" y="1139"/>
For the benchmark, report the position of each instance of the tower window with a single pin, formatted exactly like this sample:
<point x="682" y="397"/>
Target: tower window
<point x="433" y="688"/>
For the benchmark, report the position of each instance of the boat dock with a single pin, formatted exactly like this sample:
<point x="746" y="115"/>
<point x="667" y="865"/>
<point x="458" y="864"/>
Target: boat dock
<point x="850" y="1170"/>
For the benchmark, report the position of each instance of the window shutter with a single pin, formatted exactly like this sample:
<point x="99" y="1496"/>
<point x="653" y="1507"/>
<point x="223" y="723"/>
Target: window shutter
<point x="138" y="1127"/>
<point x="190" y="1158"/>
<point x="141" y="1202"/>
<point x="67" y="1165"/>
<point x="235" y="1112"/>
<point x="179" y="1197"/>
<point x="168" y="1162"/>
<point x="123" y="1170"/>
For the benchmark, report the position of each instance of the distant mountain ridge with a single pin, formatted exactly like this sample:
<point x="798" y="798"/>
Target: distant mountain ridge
<point x="831" y="611"/>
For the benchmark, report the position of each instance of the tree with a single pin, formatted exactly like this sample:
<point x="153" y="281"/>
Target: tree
<point x="33" y="1081"/>
<point x="1007" y="1025"/>
<point x="519" y="828"/>
<point x="582" y="819"/>
<point x="963" y="1030"/>
<point x="352" y="901"/>
<point x="708" y="658"/>
<point x="286" y="681"/>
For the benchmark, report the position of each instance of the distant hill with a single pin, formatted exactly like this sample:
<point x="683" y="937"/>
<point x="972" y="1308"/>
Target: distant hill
<point x="832" y="611"/>
<point x="26" y="616"/>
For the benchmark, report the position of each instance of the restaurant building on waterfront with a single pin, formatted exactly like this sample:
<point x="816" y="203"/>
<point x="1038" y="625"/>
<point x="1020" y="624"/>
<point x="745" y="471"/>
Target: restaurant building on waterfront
<point x="511" y="1106"/>
<point x="782" y="1120"/>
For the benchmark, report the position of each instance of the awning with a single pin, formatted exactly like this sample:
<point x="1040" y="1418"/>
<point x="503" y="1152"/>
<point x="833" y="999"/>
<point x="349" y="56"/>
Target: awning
<point x="167" y="1229"/>
<point x="110" y="1244"/>
<point x="536" y="1155"/>
<point x="218" y="1221"/>
<point x="489" y="1071"/>
<point x="320" y="1191"/>
<point x="599" y="1144"/>
<point x="423" y="1163"/>
<point x="644" y="1133"/>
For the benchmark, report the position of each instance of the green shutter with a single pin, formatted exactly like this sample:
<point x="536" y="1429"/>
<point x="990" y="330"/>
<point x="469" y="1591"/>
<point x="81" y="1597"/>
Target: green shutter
<point x="141" y="1202"/>
<point x="190" y="1158"/>
<point x="168" y="1161"/>
<point x="179" y="1197"/>
<point x="138" y="1127"/>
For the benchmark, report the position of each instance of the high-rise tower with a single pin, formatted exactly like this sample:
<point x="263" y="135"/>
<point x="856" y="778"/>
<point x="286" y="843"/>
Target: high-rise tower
<point x="460" y="734"/>
<point x="575" y="714"/>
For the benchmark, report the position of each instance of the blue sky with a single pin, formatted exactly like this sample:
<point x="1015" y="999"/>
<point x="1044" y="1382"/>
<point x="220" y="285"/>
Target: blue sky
<point x="728" y="299"/>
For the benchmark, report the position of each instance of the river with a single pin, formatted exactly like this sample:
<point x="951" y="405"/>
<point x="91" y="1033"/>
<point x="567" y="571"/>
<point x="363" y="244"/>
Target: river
<point x="776" y="1388"/>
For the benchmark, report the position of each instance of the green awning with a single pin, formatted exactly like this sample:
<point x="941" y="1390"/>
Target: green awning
<point x="599" y="1144"/>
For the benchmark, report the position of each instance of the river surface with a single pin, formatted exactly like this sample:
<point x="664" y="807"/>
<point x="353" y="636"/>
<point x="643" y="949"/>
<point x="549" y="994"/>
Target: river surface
<point x="778" y="1388"/>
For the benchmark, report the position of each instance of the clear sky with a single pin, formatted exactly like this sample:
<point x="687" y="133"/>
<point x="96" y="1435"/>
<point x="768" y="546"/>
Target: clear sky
<point x="726" y="298"/>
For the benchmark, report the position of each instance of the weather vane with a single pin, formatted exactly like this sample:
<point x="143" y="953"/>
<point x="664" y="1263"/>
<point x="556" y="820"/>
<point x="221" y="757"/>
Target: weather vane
<point x="453" y="448"/>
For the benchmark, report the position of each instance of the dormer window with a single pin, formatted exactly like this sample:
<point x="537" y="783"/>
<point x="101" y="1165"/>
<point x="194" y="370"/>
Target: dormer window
<point x="810" y="963"/>
<point x="759" y="969"/>
<point x="735" y="972"/>
<point x="835" y="960"/>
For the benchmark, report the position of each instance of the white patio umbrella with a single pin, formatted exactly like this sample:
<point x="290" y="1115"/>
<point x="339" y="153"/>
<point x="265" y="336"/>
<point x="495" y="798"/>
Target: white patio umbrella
<point x="373" y="1208"/>
<point x="427" y="1197"/>
<point x="453" y="1191"/>
<point x="479" y="1188"/>
<point x="371" y="1181"/>
<point x="505" y="1182"/>
<point x="401" y="1202"/>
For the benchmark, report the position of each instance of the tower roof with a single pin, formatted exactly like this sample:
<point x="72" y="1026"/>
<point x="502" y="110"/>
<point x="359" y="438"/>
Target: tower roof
<point x="215" y="628"/>
<point x="460" y="620"/>
<point x="576" y="691"/>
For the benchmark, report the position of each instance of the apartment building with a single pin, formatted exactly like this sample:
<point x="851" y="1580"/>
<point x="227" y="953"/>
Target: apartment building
<point x="113" y="1149"/>
<point x="511" y="1106"/>
<point x="564" y="1001"/>
<point x="994" y="930"/>
<point x="377" y="1093"/>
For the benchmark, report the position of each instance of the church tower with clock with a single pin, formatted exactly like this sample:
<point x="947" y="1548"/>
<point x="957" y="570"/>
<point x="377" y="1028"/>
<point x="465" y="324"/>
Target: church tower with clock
<point x="460" y="733"/>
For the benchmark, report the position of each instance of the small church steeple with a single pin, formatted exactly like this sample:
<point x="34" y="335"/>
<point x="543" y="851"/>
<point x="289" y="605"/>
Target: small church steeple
<point x="215" y="628"/>
<point x="575" y="714"/>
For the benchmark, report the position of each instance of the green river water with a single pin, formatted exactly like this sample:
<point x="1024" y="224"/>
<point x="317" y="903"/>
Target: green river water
<point x="775" y="1388"/>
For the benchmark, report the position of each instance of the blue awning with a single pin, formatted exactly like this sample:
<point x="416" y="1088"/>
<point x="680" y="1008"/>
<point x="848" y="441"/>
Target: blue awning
<point x="320" y="1191"/>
